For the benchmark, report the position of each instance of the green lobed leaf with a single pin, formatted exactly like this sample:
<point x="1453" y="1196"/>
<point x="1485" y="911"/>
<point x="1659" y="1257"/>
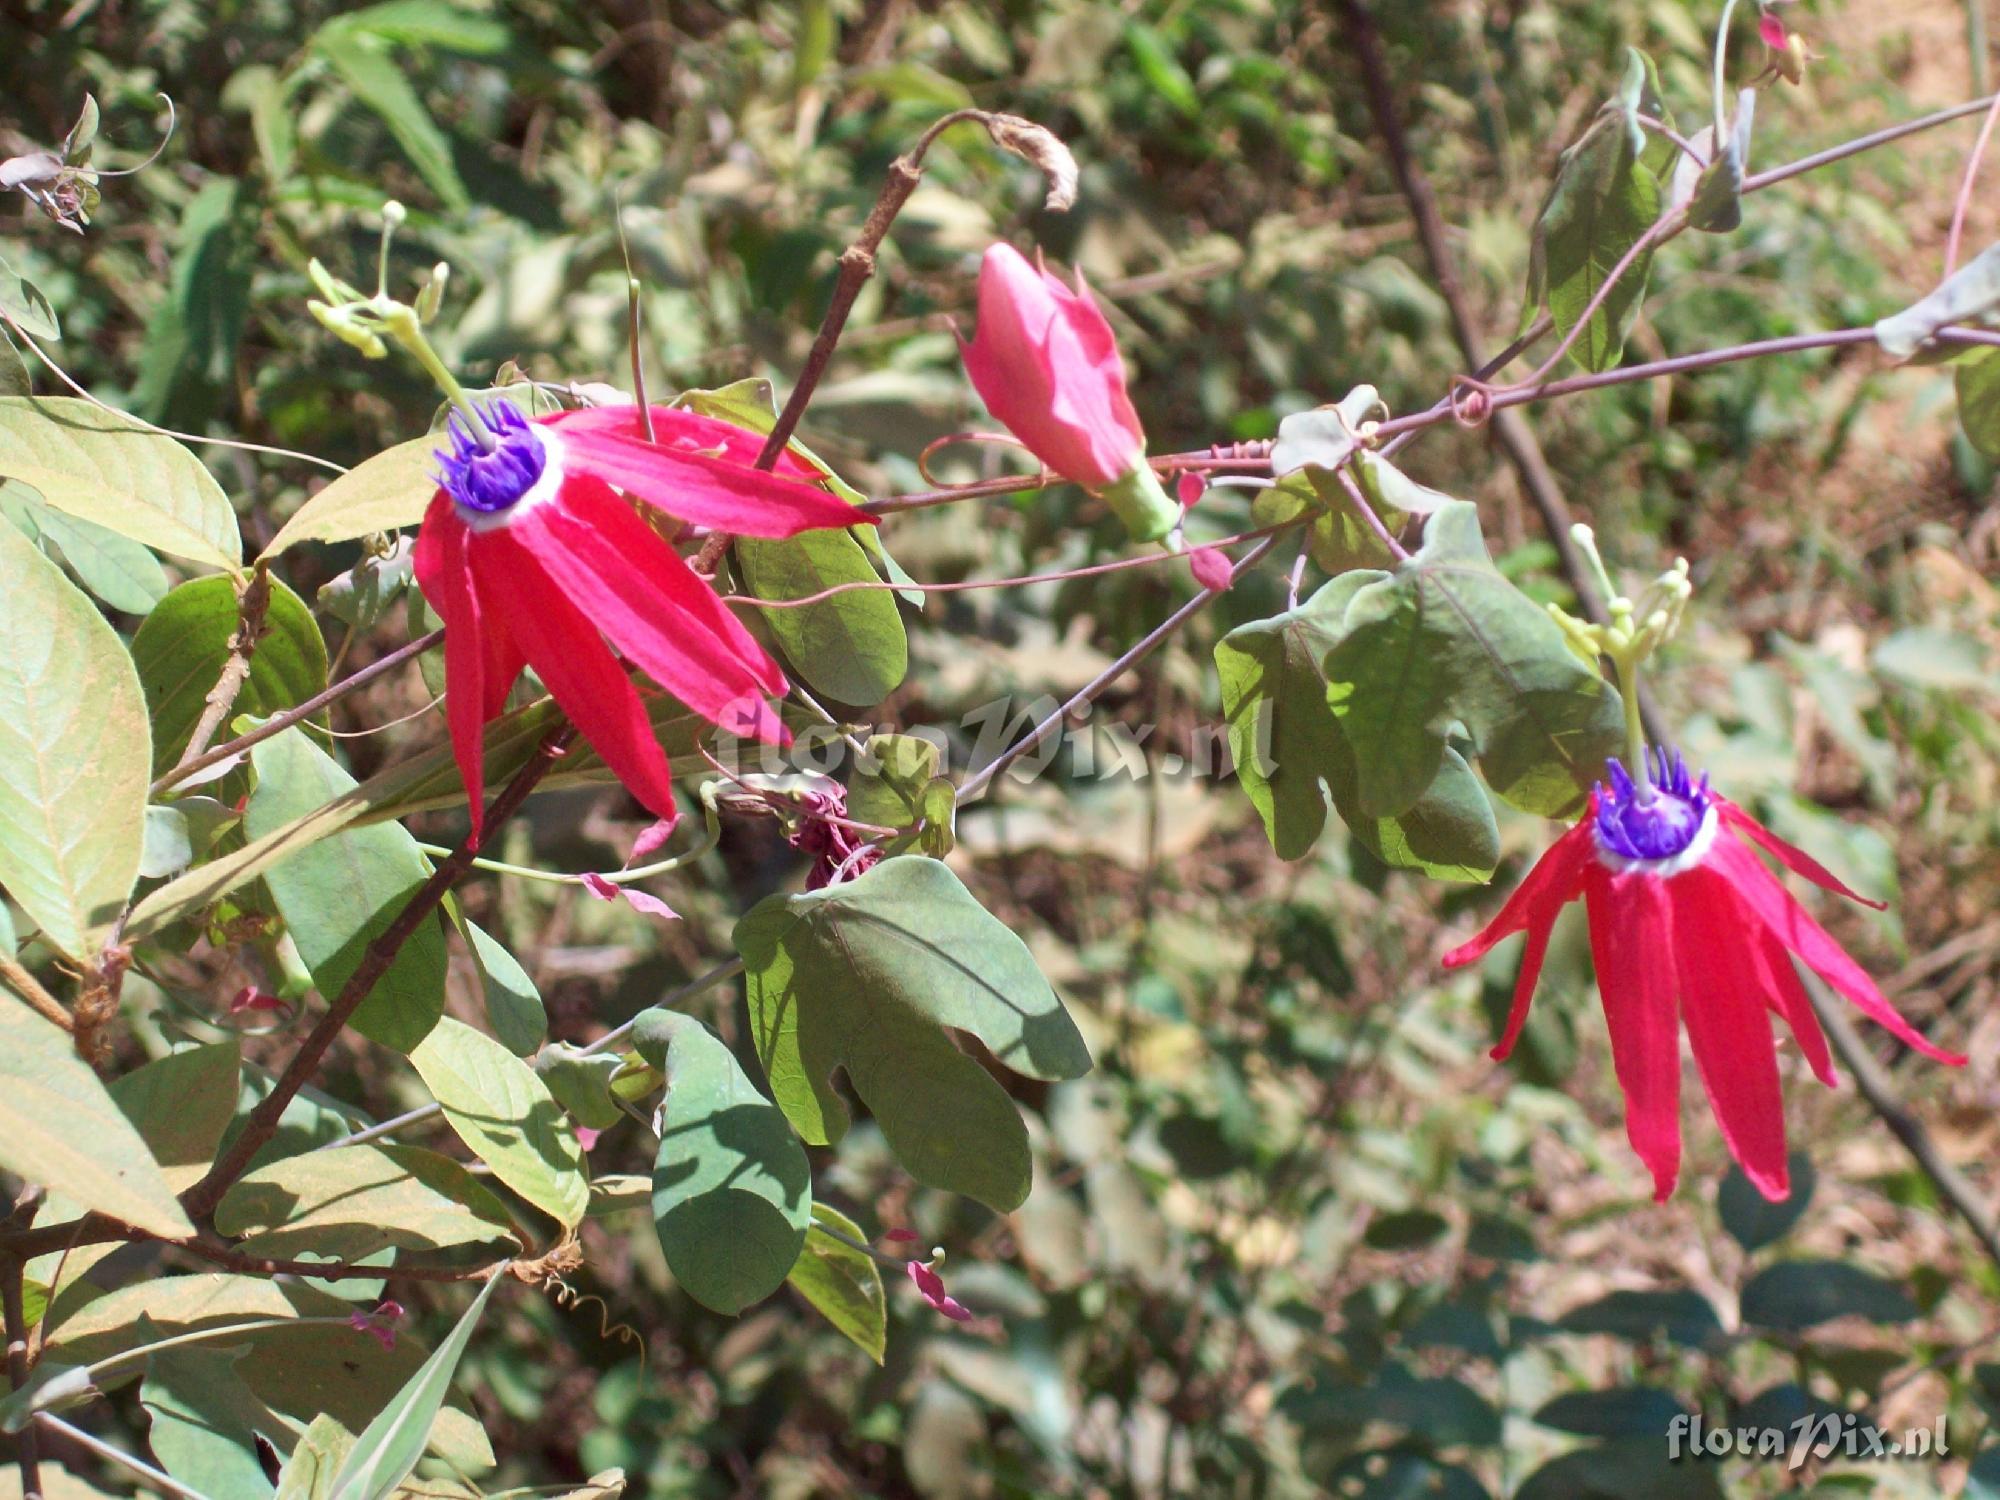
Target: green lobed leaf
<point x="183" y="646"/>
<point x="1446" y="644"/>
<point x="389" y="1447"/>
<point x="506" y="1117"/>
<point x="1604" y="199"/>
<point x="352" y="1201"/>
<point x="74" y="753"/>
<point x="206" y="1422"/>
<point x="843" y="1283"/>
<point x="180" y="1105"/>
<point x="732" y="1193"/>
<point x="107" y="468"/>
<point x="378" y="84"/>
<point x="339" y="894"/>
<point x="1715" y="201"/>
<point x="1286" y="741"/>
<point x="852" y="647"/>
<point x="60" y="1128"/>
<point x="385" y="493"/>
<point x="863" y="976"/>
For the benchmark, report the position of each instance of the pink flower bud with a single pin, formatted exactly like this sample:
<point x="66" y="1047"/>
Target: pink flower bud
<point x="930" y="1286"/>
<point x="1045" y="362"/>
<point x="1190" y="487"/>
<point x="586" y="1137"/>
<point x="1211" y="568"/>
<point x="902" y="1236"/>
<point x="1772" y="30"/>
<point x="250" y="998"/>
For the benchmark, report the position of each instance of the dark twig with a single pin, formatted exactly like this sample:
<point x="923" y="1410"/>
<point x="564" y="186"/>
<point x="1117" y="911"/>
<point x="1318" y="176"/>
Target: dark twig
<point x="11" y="1301"/>
<point x="201" y="1199"/>
<point x="1510" y="430"/>
<point x="1875" y="1086"/>
<point x="278" y="723"/>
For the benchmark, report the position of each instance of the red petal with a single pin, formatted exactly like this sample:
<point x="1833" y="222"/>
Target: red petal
<point x="1794" y="859"/>
<point x="649" y="603"/>
<point x="680" y="430"/>
<point x="706" y="490"/>
<point x="1723" y="1005"/>
<point x="1787" y="996"/>
<point x="1555" y="880"/>
<point x="1632" y="942"/>
<point x="444" y="573"/>
<point x="571" y="658"/>
<point x="1793" y="927"/>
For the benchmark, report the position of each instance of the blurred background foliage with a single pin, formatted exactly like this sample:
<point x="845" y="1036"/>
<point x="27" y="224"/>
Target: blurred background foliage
<point x="1295" y="1235"/>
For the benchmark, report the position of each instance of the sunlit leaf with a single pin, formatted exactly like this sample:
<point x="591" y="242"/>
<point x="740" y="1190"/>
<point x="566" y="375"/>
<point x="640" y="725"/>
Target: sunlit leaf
<point x="863" y="976"/>
<point x="74" y="753"/>
<point x="506" y="1117"/>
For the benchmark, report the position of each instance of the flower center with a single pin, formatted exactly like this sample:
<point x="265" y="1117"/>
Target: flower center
<point x="1630" y="831"/>
<point x="492" y="480"/>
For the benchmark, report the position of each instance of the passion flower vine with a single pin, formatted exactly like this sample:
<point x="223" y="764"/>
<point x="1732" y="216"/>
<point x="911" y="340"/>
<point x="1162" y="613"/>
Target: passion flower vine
<point x="1687" y="927"/>
<point x="536" y="554"/>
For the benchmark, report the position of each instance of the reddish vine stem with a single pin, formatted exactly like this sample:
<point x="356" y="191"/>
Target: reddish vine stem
<point x="278" y="723"/>
<point x="1154" y="638"/>
<point x="200" y="1200"/>
<point x="1963" y="203"/>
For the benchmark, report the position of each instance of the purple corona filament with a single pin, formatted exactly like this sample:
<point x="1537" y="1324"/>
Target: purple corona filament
<point x="1661" y="828"/>
<point x="490" y="480"/>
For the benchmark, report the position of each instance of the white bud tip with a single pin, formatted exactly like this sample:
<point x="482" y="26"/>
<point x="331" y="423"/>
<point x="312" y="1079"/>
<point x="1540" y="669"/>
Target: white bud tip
<point x="394" y="213"/>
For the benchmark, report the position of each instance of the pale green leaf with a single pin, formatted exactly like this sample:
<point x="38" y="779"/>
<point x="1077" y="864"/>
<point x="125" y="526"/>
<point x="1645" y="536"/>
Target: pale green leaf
<point x="1971" y="294"/>
<point x="339" y="894"/>
<point x="22" y="303"/>
<point x="74" y="753"/>
<point x="205" y="1422"/>
<point x="1286" y="741"/>
<point x="506" y="1117"/>
<point x="107" y="468"/>
<point x="322" y="1448"/>
<point x="388" y="1449"/>
<point x="514" y="1006"/>
<point x="118" y="571"/>
<point x="353" y="1201"/>
<point x="385" y="493"/>
<point x="842" y="1282"/>
<point x="60" y="1128"/>
<point x="180" y="1105"/>
<point x="419" y="784"/>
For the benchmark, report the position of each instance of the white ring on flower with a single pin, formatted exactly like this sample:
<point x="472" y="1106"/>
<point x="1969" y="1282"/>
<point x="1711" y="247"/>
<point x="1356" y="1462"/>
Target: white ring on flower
<point x="543" y="489"/>
<point x="1674" y="864"/>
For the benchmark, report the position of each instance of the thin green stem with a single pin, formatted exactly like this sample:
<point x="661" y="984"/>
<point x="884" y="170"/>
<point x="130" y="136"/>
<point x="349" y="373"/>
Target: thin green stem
<point x="1635" y="731"/>
<point x="1721" y="62"/>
